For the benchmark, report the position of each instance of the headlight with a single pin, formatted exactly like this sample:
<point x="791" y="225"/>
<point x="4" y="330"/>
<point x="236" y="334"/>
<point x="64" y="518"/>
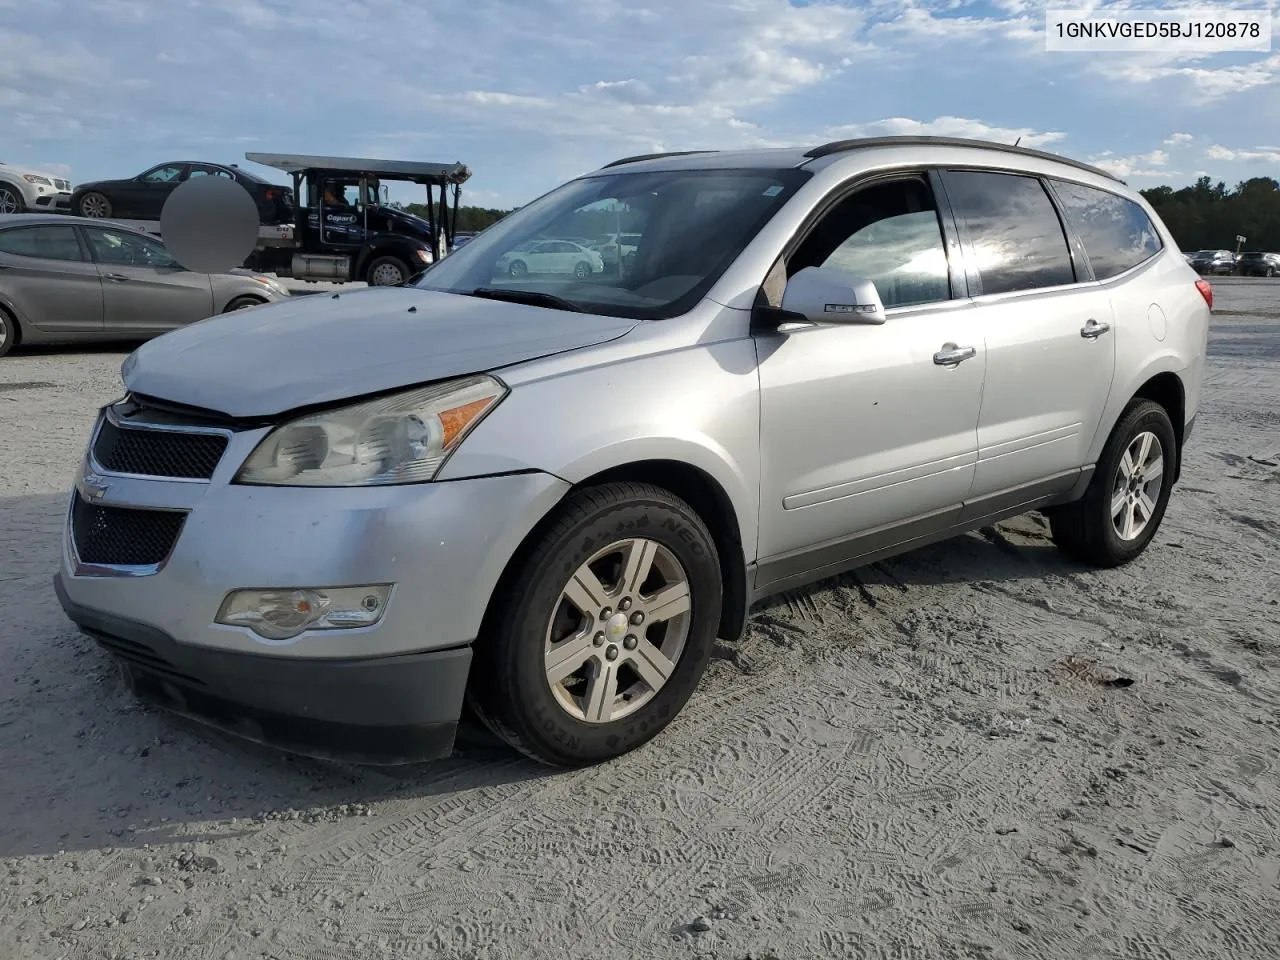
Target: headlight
<point x="36" y="178"/>
<point x="402" y="438"/>
<point x="423" y="255"/>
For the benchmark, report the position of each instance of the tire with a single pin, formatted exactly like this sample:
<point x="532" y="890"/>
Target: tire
<point x="10" y="333"/>
<point x="1089" y="530"/>
<point x="582" y="270"/>
<point x="518" y="269"/>
<point x="1271" y="271"/>
<point x="11" y="199"/>
<point x="94" y="205"/>
<point x="559" y="721"/>
<point x="239" y="303"/>
<point x="380" y="273"/>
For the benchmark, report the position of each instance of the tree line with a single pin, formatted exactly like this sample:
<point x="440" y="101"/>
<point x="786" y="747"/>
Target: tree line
<point x="1209" y="216"/>
<point x="1203" y="216"/>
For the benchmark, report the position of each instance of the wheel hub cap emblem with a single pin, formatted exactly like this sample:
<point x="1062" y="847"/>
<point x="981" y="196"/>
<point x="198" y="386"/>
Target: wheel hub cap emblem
<point x="616" y="626"/>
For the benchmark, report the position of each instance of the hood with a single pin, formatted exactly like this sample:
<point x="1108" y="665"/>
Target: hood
<point x="318" y="349"/>
<point x="14" y="168"/>
<point x="407" y="220"/>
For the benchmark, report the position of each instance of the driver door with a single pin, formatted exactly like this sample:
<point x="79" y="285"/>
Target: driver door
<point x="145" y="291"/>
<point x="867" y="440"/>
<point x="145" y="197"/>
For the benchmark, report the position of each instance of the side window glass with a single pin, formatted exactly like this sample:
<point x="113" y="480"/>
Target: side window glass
<point x="169" y="174"/>
<point x="127" y="250"/>
<point x="209" y="172"/>
<point x="1016" y="238"/>
<point x="47" y="243"/>
<point x="888" y="233"/>
<point x="1117" y="233"/>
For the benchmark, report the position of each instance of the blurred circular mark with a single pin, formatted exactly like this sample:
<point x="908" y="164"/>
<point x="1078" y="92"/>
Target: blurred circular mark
<point x="210" y="224"/>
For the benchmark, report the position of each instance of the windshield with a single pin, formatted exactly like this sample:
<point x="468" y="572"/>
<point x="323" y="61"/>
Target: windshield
<point x="639" y="245"/>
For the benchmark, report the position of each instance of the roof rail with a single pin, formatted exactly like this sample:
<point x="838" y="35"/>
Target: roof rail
<point x="655" y="156"/>
<point x="840" y="146"/>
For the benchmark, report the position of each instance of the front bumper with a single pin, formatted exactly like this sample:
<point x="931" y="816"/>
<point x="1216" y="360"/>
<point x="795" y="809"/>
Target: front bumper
<point x="382" y="711"/>
<point x="397" y="684"/>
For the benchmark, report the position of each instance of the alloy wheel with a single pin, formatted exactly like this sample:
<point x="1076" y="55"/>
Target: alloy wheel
<point x="1139" y="478"/>
<point x="93" y="206"/>
<point x="9" y="201"/>
<point x="618" y="630"/>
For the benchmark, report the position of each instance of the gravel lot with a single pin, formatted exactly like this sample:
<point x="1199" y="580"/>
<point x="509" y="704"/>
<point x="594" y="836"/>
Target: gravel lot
<point x="927" y="759"/>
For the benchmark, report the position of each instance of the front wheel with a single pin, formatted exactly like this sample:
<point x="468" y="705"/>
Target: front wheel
<point x="10" y="200"/>
<point x="1126" y="499"/>
<point x="582" y="270"/>
<point x="240" y="303"/>
<point x="518" y="269"/>
<point x="8" y="333"/>
<point x="387" y="272"/>
<point x="598" y="639"/>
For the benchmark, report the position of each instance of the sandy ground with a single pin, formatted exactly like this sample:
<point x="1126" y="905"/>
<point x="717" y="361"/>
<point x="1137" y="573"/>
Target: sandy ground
<point x="926" y="759"/>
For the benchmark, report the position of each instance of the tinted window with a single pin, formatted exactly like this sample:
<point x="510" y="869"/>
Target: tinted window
<point x="887" y="233"/>
<point x="209" y="172"/>
<point x="1117" y="233"/>
<point x="50" y="243"/>
<point x="128" y="250"/>
<point x="166" y="174"/>
<point x="1016" y="238"/>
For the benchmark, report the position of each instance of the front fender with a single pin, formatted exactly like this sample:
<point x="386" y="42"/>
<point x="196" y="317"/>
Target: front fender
<point x="697" y="406"/>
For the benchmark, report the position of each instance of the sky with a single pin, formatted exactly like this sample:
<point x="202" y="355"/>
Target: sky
<point x="529" y="93"/>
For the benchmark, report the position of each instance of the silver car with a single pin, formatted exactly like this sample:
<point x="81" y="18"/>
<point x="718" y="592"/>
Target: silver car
<point x="68" y="279"/>
<point x="548" y="497"/>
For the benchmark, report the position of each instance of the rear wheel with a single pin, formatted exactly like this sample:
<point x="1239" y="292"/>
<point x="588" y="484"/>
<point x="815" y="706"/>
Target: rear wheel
<point x="1126" y="499"/>
<point x="600" y="636"/>
<point x="10" y="200"/>
<point x="518" y="269"/>
<point x="95" y="205"/>
<point x="387" y="272"/>
<point x="9" y="333"/>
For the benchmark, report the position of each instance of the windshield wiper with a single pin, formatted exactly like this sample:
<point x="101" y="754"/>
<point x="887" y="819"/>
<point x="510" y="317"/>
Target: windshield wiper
<point x="530" y="297"/>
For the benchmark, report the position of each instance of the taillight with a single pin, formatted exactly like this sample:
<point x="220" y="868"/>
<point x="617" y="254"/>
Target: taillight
<point x="1206" y="290"/>
<point x="272" y="194"/>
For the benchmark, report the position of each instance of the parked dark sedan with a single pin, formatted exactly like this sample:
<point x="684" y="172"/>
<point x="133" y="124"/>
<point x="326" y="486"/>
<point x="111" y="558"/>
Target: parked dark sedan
<point x="1258" y="264"/>
<point x="142" y="197"/>
<point x="1213" y="262"/>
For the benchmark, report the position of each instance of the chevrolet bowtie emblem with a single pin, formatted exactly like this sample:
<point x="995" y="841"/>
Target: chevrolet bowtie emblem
<point x="95" y="486"/>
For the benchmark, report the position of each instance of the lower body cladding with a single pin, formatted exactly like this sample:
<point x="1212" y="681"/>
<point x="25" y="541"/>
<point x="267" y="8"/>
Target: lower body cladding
<point x="411" y="566"/>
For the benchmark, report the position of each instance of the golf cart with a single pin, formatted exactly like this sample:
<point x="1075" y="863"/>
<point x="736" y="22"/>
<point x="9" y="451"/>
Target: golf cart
<point x="344" y="229"/>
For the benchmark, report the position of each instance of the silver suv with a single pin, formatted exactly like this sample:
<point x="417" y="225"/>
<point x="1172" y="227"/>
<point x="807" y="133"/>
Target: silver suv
<point x="547" y="496"/>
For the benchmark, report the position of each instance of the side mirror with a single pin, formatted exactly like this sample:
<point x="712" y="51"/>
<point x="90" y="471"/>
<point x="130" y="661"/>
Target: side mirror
<point x="825" y="296"/>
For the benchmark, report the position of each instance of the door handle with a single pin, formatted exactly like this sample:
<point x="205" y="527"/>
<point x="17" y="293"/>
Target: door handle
<point x="951" y="355"/>
<point x="117" y="277"/>
<point x="1094" y="329"/>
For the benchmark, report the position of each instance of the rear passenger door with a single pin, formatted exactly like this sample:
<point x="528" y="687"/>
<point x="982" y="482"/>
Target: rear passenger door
<point x="47" y="279"/>
<point x="1047" y="328"/>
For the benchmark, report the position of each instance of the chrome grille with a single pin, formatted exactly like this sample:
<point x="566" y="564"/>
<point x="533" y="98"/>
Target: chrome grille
<point x="154" y="452"/>
<point x="62" y="184"/>
<point x="123" y="536"/>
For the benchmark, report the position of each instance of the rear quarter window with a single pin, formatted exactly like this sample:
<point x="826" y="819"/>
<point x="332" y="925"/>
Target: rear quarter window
<point x="1116" y="232"/>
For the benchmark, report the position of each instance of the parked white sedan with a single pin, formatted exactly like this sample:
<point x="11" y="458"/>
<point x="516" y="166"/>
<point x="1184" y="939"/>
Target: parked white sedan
<point x="551" y="257"/>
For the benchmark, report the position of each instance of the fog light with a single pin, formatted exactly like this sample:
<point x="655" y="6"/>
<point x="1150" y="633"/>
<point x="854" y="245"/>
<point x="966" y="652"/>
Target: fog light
<point x="282" y="614"/>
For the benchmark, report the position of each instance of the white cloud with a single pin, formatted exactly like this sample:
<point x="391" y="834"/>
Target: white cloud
<point x="1259" y="155"/>
<point x="947" y="127"/>
<point x="528" y="93"/>
<point x="1151" y="164"/>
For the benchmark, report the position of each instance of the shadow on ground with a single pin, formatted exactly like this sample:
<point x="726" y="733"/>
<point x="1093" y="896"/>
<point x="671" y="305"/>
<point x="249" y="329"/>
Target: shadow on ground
<point x="88" y="767"/>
